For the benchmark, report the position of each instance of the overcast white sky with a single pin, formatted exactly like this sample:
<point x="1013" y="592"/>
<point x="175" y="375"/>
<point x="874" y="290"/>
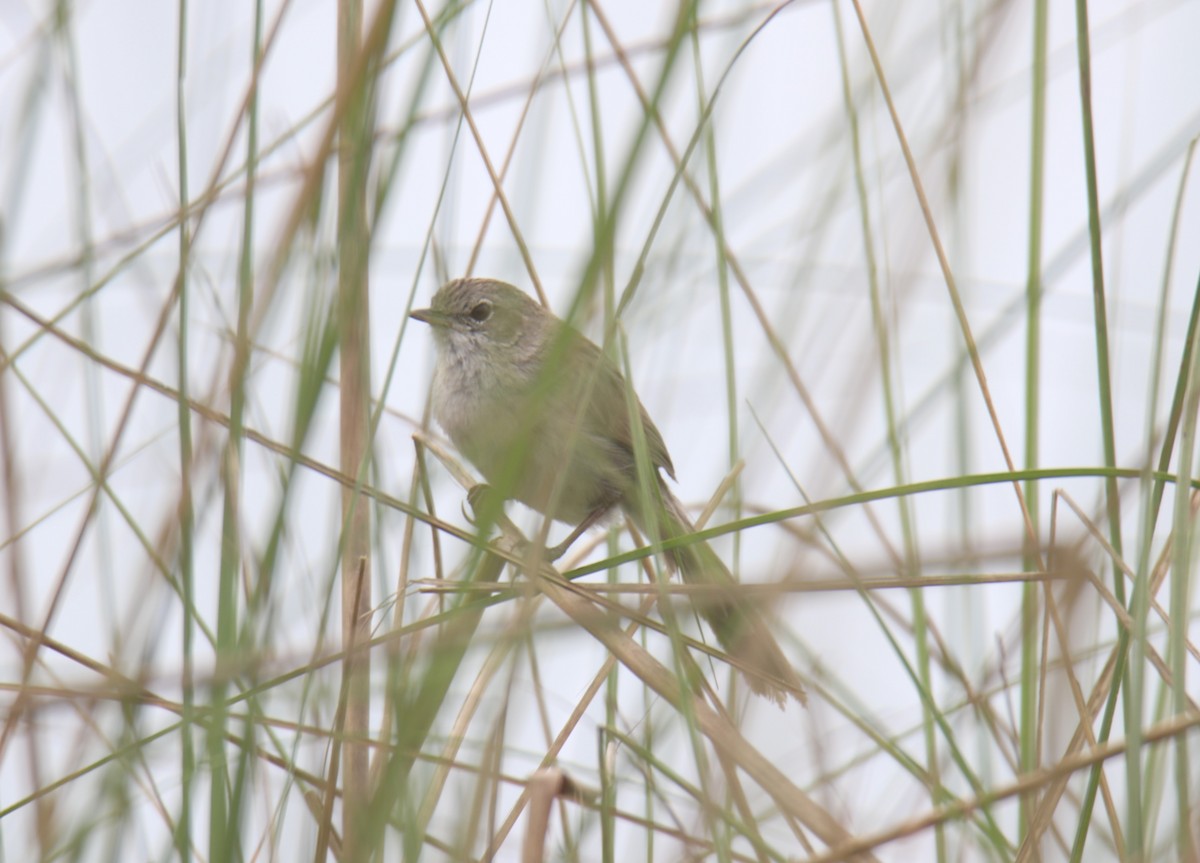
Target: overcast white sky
<point x="104" y="89"/>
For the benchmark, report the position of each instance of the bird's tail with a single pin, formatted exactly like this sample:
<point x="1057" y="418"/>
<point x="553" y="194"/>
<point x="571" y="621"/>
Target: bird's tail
<point x="735" y="619"/>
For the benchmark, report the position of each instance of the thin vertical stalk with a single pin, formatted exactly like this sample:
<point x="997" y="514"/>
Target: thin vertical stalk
<point x="960" y="311"/>
<point x="231" y="525"/>
<point x="1132" y="702"/>
<point x="608" y="821"/>
<point x="1181" y="571"/>
<point x="87" y="311"/>
<point x="684" y="15"/>
<point x="11" y="497"/>
<point x="1028" y="725"/>
<point x="231" y="543"/>
<point x="186" y="514"/>
<point x="1177" y="641"/>
<point x="879" y="321"/>
<point x="727" y="343"/>
<point x="355" y="392"/>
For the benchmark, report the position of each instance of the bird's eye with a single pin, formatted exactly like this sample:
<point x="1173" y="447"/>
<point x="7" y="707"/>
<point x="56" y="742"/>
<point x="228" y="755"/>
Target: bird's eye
<point x="481" y="312"/>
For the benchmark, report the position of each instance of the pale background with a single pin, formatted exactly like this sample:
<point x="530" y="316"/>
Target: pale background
<point x="90" y="189"/>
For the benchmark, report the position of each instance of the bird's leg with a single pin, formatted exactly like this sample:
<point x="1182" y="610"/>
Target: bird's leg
<point x="481" y="497"/>
<point x="553" y="554"/>
<point x="484" y="502"/>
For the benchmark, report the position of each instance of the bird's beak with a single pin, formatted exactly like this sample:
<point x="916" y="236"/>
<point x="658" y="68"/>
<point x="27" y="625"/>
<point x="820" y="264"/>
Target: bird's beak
<point x="431" y="317"/>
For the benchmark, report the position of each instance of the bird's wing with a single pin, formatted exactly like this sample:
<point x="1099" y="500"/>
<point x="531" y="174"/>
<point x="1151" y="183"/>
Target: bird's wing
<point x="607" y="388"/>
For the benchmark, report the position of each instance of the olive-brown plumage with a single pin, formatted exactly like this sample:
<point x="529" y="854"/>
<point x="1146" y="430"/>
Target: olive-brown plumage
<point x="543" y="414"/>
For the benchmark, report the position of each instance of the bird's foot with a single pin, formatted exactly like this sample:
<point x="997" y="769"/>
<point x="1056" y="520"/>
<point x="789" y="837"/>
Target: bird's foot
<point x="487" y="507"/>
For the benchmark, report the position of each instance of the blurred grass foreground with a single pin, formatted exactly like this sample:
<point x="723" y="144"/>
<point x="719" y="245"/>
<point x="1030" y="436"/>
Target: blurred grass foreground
<point x="909" y="289"/>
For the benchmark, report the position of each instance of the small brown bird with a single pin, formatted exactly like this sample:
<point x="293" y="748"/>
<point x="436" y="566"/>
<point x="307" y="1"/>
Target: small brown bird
<point x="543" y="414"/>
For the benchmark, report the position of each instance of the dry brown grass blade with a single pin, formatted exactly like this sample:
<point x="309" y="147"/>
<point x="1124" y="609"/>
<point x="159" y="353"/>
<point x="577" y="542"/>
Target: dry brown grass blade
<point x="1067" y="666"/>
<point x="1048" y="804"/>
<point x="723" y="734"/>
<point x="545" y="786"/>
<point x="828" y="437"/>
<point x="497" y="184"/>
<point x="943" y="260"/>
<point x="354" y="345"/>
<point x="1048" y="777"/>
